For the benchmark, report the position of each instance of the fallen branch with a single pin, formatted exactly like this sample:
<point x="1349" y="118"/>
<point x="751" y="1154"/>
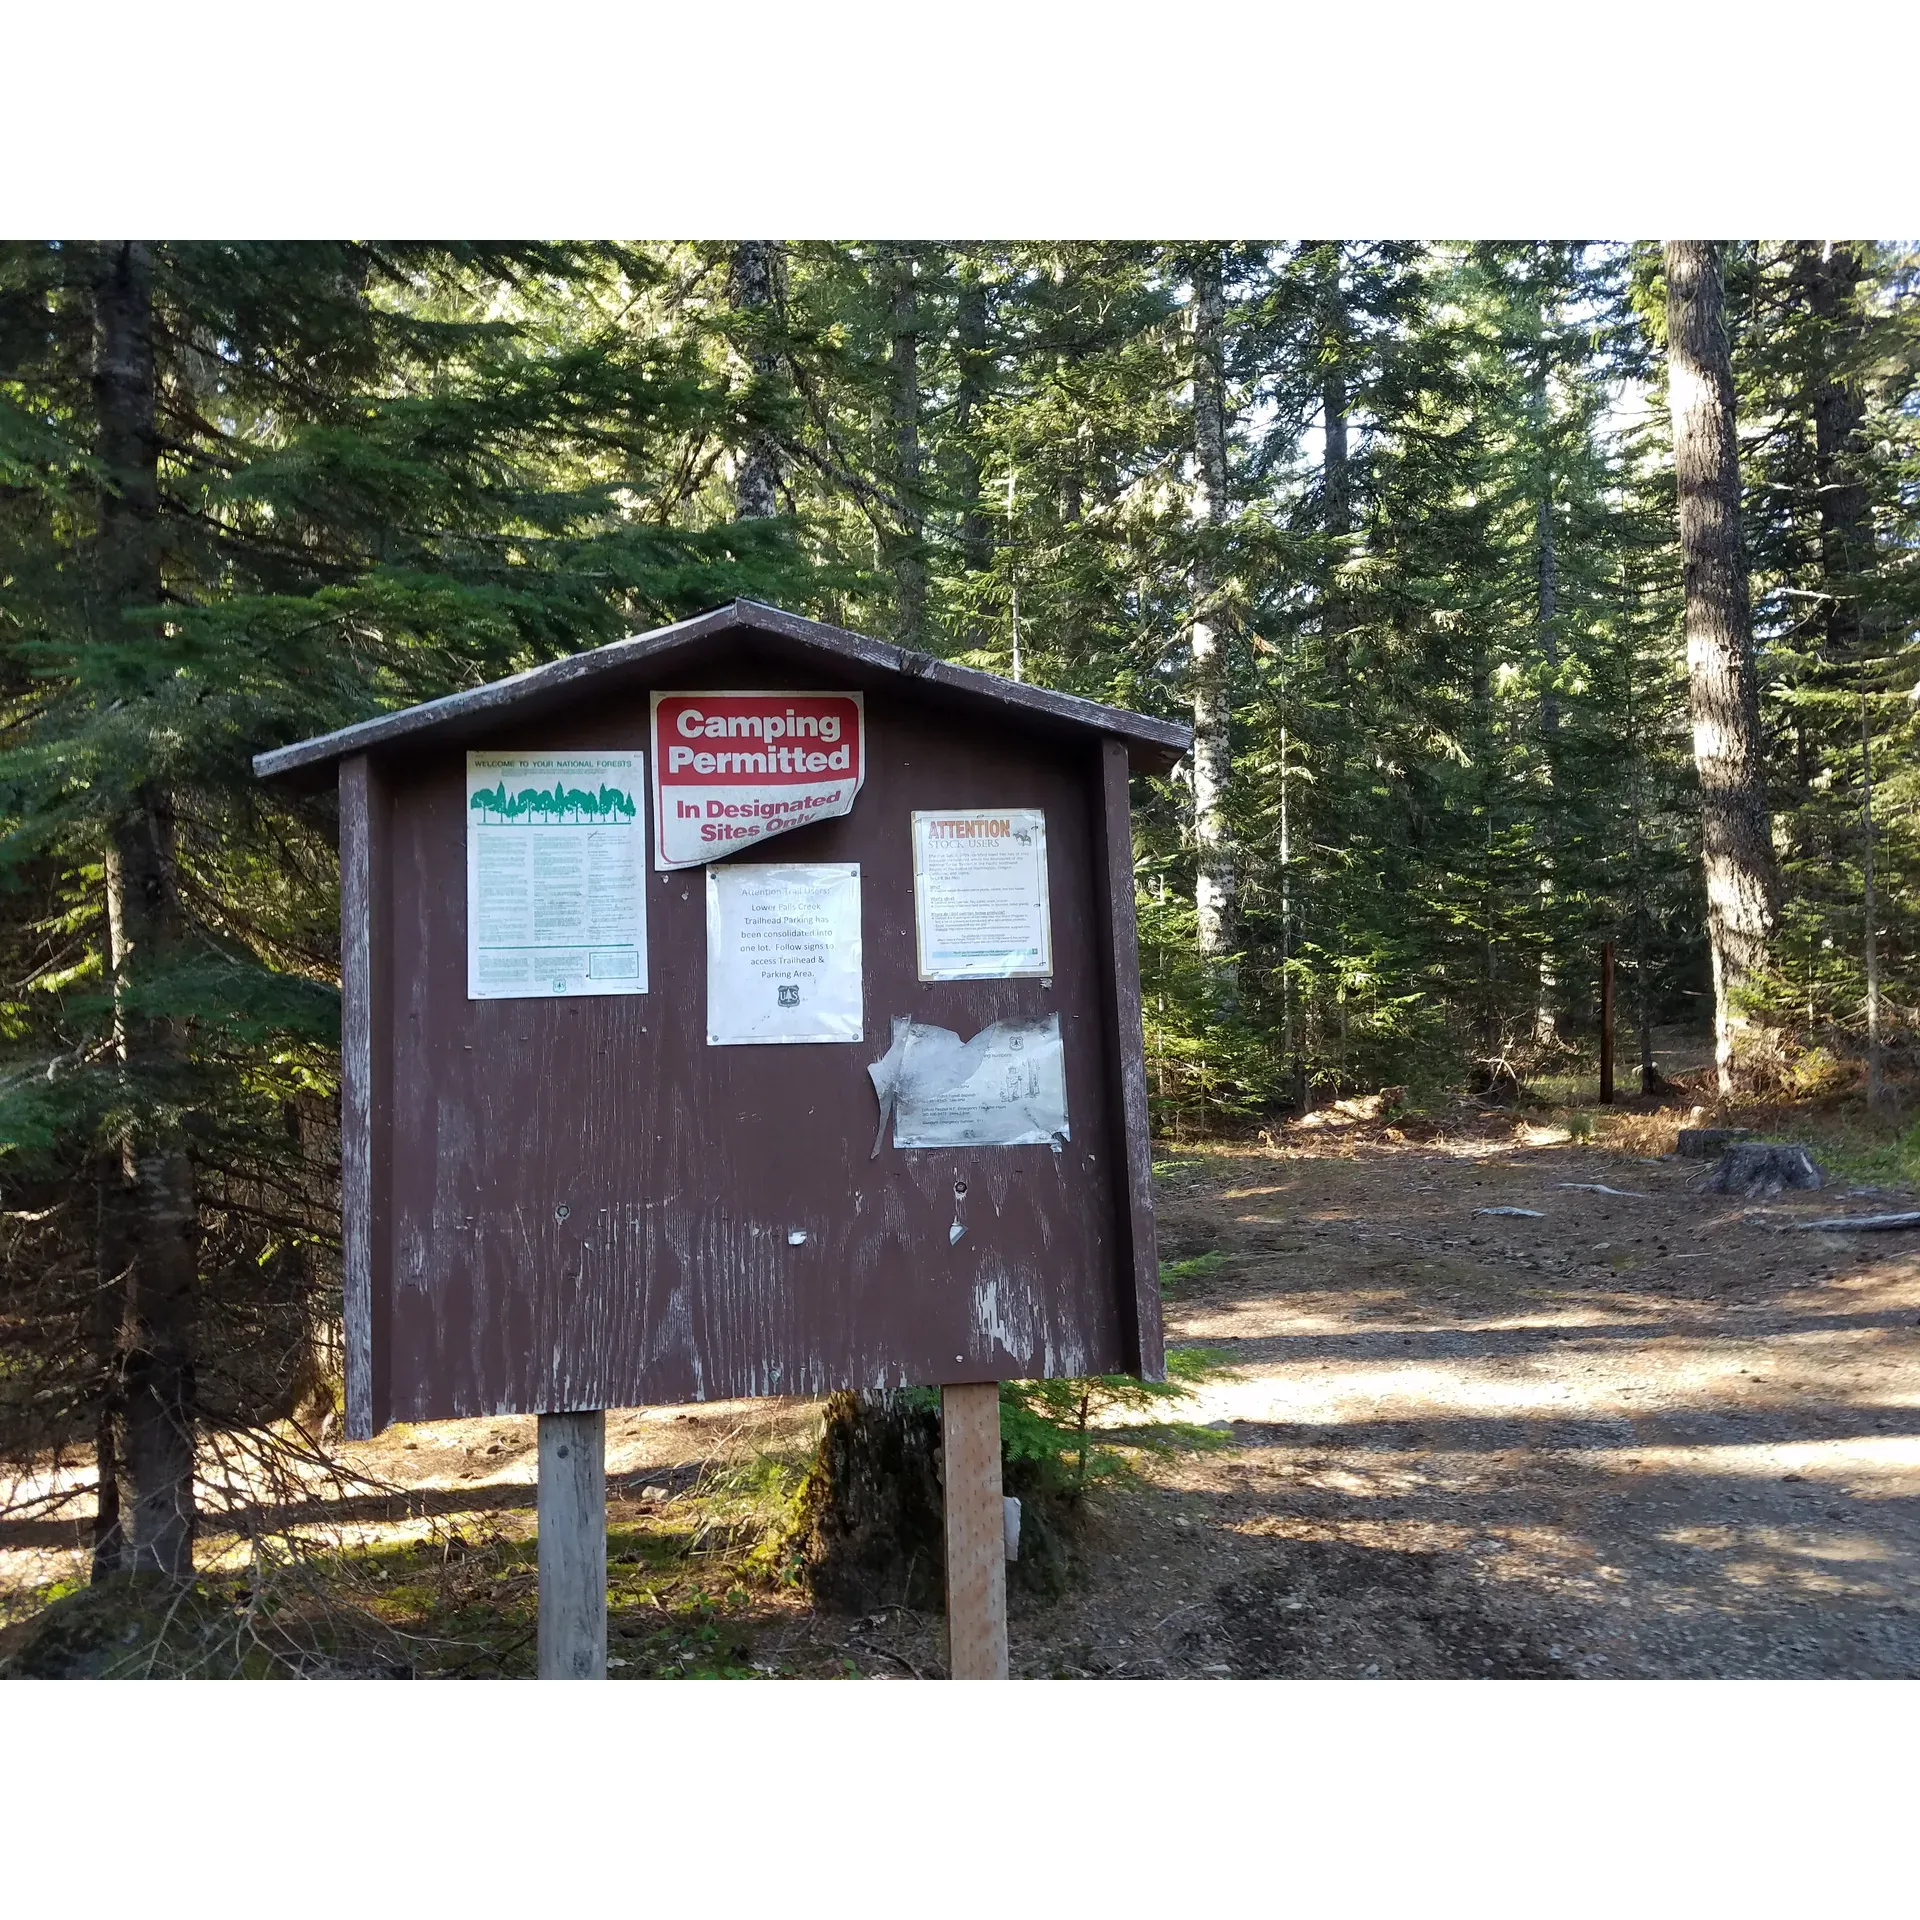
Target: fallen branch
<point x="1844" y="1223"/>
<point x="1513" y="1213"/>
<point x="1593" y="1186"/>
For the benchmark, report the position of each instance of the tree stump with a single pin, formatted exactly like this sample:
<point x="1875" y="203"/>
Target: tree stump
<point x="1751" y="1168"/>
<point x="870" y="1525"/>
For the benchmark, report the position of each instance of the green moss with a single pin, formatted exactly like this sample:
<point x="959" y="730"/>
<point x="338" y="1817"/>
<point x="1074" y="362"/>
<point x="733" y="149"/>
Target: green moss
<point x="147" y="1628"/>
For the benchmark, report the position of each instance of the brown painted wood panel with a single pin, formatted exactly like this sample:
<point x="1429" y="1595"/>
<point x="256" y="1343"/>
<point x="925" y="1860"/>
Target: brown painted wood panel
<point x="580" y="1204"/>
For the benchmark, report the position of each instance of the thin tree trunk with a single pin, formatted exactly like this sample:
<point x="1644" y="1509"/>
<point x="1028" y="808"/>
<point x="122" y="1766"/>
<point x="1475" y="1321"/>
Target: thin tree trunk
<point x="1876" y="1059"/>
<point x="1336" y="479"/>
<point x="973" y="367"/>
<point x="1546" y="1025"/>
<point x="153" y="1440"/>
<point x="1289" y="1040"/>
<point x="1742" y="878"/>
<point x="1336" y="504"/>
<point x="753" y="281"/>
<point x="1547" y="620"/>
<point x="112" y="1257"/>
<point x="1212" y="696"/>
<point x="1830" y="278"/>
<point x="1483" y="760"/>
<point x="1643" y="985"/>
<point x="909" y="555"/>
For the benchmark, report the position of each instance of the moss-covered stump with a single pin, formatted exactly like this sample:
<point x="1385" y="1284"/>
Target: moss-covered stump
<point x="869" y="1527"/>
<point x="868" y="1519"/>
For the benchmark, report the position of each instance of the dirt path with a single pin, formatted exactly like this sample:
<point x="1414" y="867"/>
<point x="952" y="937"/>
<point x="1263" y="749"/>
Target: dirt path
<point x="1638" y="1436"/>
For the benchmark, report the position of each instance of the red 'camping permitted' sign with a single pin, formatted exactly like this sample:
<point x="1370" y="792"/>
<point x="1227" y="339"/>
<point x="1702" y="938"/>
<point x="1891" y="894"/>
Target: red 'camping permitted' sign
<point x="733" y="768"/>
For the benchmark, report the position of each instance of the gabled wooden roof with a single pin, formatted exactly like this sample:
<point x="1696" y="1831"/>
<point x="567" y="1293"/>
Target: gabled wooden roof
<point x="764" y="633"/>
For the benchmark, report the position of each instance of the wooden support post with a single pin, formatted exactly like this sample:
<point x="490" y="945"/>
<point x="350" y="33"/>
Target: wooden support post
<point x="976" y="1532"/>
<point x="573" y="1546"/>
<point x="1606" y="1023"/>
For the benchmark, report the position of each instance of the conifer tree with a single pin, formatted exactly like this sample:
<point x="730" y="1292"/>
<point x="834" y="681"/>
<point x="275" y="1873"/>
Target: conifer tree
<point x="1212" y="696"/>
<point x="249" y="493"/>
<point x="1742" y="880"/>
<point x="756" y="273"/>
<point x="1825" y="360"/>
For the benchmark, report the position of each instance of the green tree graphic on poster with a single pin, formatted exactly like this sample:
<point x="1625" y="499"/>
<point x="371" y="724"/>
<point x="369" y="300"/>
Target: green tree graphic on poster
<point x="559" y="804"/>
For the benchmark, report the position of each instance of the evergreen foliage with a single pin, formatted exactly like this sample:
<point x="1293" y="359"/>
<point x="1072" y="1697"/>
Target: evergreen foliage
<point x="1444" y="570"/>
<point x="374" y="475"/>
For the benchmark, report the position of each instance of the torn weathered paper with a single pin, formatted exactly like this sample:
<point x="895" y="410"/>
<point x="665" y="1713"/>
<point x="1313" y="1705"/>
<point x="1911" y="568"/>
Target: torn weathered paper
<point x="1006" y="1087"/>
<point x="730" y="769"/>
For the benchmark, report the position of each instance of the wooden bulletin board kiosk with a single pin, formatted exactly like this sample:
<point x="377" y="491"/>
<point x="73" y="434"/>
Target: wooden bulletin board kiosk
<point x="748" y="1007"/>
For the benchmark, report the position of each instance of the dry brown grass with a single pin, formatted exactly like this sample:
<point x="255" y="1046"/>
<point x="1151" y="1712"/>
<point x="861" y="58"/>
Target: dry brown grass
<point x="1648" y="1136"/>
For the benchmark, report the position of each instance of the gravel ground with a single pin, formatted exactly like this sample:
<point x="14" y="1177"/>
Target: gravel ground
<point x="1638" y="1436"/>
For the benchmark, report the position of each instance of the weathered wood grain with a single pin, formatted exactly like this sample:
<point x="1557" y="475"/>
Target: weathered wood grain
<point x="361" y="798"/>
<point x="573" y="1546"/>
<point x="1116" y="927"/>
<point x="461" y="718"/>
<point x="592" y="1207"/>
<point x="976" y="1532"/>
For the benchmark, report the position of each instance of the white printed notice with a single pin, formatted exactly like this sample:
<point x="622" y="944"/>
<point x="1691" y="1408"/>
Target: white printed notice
<point x="556" y="875"/>
<point x="980" y="894"/>
<point x="783" y="954"/>
<point x="733" y="768"/>
<point x="1006" y="1087"/>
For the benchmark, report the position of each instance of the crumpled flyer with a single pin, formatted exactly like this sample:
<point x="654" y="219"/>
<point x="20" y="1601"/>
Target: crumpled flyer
<point x="1006" y="1087"/>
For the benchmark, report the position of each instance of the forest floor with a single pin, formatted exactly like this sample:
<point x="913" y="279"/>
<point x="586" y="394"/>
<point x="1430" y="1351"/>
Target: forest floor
<point x="1649" y="1436"/>
<point x="1646" y="1433"/>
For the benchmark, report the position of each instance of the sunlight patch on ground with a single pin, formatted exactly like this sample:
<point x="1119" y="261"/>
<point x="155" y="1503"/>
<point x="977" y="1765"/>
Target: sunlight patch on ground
<point x="1550" y="1387"/>
<point x="1893" y="1459"/>
<point x="1832" y="1549"/>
